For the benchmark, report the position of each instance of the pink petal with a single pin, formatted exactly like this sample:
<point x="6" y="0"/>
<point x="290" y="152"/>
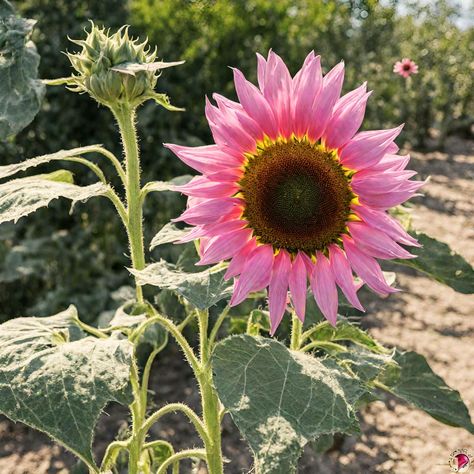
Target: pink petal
<point x="261" y="67"/>
<point x="346" y="119"/>
<point x="375" y="242"/>
<point x="324" y="288"/>
<point x="342" y="272"/>
<point x="368" y="148"/>
<point x="306" y="87"/>
<point x="227" y="130"/>
<point x="200" y="186"/>
<point x="255" y="275"/>
<point x="322" y="109"/>
<point x="394" y="198"/>
<point x="238" y="261"/>
<point x="255" y="104"/>
<point x="391" y="163"/>
<point x="382" y="221"/>
<point x="375" y="182"/>
<point x="298" y="285"/>
<point x="205" y="159"/>
<point x="277" y="91"/>
<point x="209" y="211"/>
<point x="224" y="246"/>
<point x="366" y="267"/>
<point x="278" y="289"/>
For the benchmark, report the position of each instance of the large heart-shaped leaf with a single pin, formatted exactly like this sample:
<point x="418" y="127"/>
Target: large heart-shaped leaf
<point x="441" y="263"/>
<point x="58" y="381"/>
<point x="201" y="289"/>
<point x="21" y="92"/>
<point x="20" y="197"/>
<point x="416" y="383"/>
<point x="280" y="399"/>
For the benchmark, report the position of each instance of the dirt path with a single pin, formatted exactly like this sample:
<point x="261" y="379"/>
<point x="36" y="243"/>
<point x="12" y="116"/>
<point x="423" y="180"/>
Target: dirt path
<point x="427" y="317"/>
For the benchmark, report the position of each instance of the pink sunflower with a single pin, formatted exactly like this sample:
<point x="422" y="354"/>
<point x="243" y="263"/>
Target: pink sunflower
<point x="406" y="67"/>
<point x="292" y="194"/>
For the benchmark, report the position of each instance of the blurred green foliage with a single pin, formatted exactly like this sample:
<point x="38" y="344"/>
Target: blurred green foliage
<point x="52" y="258"/>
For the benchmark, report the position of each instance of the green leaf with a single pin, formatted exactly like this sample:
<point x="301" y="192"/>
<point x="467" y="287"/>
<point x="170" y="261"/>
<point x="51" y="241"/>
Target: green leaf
<point x="346" y="331"/>
<point x="323" y="444"/>
<point x="23" y="196"/>
<point x="58" y="381"/>
<point x="21" y="92"/>
<point x="365" y="364"/>
<point x="161" y="186"/>
<point x="416" y="383"/>
<point x="280" y="399"/>
<point x="169" y="233"/>
<point x="133" y="68"/>
<point x="14" y="168"/>
<point x="441" y="263"/>
<point x="202" y="289"/>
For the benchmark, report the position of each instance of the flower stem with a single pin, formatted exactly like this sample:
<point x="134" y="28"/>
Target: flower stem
<point x="210" y="400"/>
<point x="296" y="332"/>
<point x="125" y="115"/>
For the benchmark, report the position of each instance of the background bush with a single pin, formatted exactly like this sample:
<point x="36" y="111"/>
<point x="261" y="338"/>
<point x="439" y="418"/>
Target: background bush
<point x="83" y="263"/>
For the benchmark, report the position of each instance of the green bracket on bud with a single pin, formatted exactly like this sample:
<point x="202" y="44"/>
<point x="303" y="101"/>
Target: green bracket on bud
<point x="116" y="69"/>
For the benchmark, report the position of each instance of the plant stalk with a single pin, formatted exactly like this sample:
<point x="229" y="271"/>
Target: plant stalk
<point x="125" y="115"/>
<point x="296" y="332"/>
<point x="210" y="401"/>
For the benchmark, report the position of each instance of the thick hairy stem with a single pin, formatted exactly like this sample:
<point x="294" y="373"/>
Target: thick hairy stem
<point x="210" y="401"/>
<point x="296" y="332"/>
<point x="138" y="435"/>
<point x="125" y="116"/>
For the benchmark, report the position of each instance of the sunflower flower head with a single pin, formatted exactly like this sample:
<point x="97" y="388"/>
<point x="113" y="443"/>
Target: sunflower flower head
<point x="405" y="68"/>
<point x="292" y="194"/>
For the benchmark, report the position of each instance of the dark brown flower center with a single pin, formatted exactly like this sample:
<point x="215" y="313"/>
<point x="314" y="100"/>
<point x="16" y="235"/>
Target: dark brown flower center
<point x="297" y="196"/>
<point x="406" y="67"/>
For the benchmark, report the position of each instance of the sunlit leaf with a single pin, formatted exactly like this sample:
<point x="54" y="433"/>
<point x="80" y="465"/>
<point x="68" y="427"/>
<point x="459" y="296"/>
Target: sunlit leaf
<point x="202" y="289"/>
<point x="23" y="196"/>
<point x="57" y="380"/>
<point x="441" y="263"/>
<point x="416" y="383"/>
<point x="9" y="170"/>
<point x="280" y="399"/>
<point x="21" y="92"/>
<point x="167" y="234"/>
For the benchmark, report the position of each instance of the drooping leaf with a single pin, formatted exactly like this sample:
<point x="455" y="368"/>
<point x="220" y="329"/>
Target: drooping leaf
<point x="23" y="196"/>
<point x="161" y="186"/>
<point x="167" y="234"/>
<point x="365" y="364"/>
<point x="9" y="170"/>
<point x="57" y="380"/>
<point x="416" y="383"/>
<point x="21" y="92"/>
<point x="280" y="399"/>
<point x="441" y="263"/>
<point x="346" y="331"/>
<point x="202" y="289"/>
<point x="133" y="68"/>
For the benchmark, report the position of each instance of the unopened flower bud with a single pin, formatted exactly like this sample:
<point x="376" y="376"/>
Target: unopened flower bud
<point x="114" y="69"/>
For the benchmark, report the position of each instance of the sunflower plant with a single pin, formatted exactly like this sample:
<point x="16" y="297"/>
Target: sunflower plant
<point x="285" y="222"/>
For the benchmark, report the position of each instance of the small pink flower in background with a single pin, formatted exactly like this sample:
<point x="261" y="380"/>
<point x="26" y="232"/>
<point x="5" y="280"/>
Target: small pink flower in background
<point x="292" y="194"/>
<point x="406" y="67"/>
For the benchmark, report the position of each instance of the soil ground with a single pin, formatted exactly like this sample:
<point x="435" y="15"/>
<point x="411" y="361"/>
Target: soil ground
<point x="426" y="317"/>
